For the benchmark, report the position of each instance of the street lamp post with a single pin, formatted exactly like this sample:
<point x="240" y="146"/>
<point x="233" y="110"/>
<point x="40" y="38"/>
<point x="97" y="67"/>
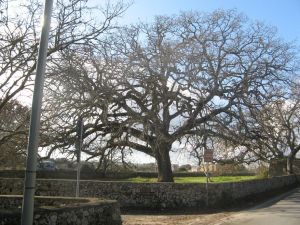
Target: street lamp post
<point x="32" y="148"/>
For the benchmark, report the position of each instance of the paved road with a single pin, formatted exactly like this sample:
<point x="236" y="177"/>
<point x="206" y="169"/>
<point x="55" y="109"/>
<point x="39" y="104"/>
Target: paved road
<point x="283" y="212"/>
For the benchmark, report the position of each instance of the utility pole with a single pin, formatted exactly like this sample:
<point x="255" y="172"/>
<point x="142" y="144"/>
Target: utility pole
<point x="32" y="148"/>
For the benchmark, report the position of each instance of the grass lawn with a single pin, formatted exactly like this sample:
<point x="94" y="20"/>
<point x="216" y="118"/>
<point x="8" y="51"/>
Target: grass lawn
<point x="220" y="179"/>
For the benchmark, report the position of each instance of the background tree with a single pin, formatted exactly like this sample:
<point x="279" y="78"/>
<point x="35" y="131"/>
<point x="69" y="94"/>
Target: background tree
<point x="14" y="121"/>
<point x="73" y="24"/>
<point x="279" y="125"/>
<point x="267" y="129"/>
<point x="153" y="85"/>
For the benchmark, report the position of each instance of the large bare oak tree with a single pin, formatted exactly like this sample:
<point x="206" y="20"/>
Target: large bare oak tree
<point x="152" y="85"/>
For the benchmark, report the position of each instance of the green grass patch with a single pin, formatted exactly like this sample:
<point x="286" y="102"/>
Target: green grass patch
<point x="220" y="179"/>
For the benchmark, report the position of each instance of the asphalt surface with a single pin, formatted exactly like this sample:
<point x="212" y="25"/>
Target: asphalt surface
<point x="282" y="210"/>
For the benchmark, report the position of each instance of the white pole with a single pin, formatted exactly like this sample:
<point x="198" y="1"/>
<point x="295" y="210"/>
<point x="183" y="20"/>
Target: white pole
<point x="30" y="175"/>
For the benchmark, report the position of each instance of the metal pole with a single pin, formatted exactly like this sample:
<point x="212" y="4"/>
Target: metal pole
<point x="79" y="147"/>
<point x="30" y="175"/>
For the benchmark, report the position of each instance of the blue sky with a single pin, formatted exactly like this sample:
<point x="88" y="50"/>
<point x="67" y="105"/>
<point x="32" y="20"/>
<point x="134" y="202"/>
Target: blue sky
<point x="284" y="14"/>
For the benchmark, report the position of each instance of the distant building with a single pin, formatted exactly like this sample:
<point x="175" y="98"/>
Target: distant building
<point x="216" y="168"/>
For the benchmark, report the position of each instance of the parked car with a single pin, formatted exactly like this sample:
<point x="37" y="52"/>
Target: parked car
<point x="46" y="165"/>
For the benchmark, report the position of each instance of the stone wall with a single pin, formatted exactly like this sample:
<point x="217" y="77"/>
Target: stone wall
<point x="153" y="195"/>
<point x="61" y="211"/>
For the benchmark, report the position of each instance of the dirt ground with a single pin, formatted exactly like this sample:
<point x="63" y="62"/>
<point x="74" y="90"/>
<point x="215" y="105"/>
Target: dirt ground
<point x="194" y="219"/>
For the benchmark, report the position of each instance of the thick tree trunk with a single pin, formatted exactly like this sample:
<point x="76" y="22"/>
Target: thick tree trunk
<point x="164" y="163"/>
<point x="289" y="165"/>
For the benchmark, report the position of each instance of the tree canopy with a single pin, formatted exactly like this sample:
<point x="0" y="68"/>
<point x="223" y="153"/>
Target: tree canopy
<point x="148" y="86"/>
